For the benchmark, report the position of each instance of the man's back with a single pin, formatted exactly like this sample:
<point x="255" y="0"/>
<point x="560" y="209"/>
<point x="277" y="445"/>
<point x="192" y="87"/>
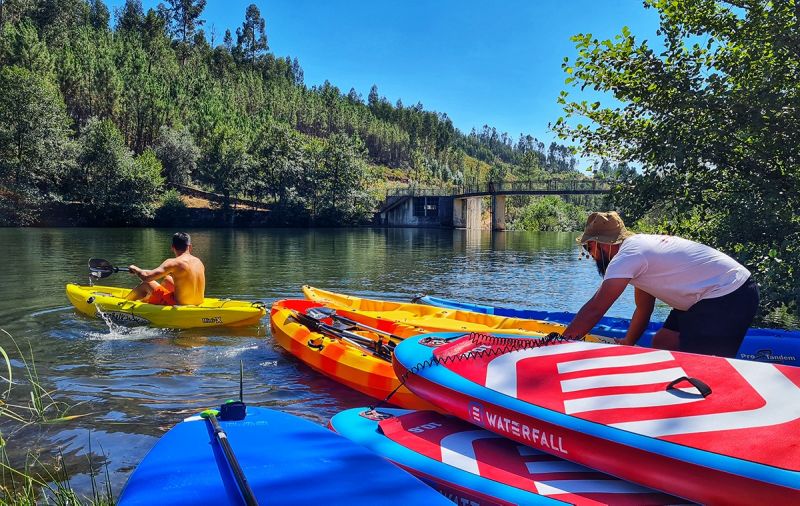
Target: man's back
<point x="189" y="276"/>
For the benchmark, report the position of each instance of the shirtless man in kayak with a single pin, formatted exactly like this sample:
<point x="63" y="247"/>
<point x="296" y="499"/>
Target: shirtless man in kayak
<point x="713" y="297"/>
<point x="184" y="277"/>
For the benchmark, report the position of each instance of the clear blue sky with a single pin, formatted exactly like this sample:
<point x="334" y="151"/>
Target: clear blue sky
<point x="495" y="63"/>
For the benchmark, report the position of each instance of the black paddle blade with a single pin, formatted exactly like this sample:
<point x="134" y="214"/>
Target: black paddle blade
<point x="100" y="268"/>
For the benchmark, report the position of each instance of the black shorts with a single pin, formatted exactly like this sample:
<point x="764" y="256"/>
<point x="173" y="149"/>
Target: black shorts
<point x="716" y="326"/>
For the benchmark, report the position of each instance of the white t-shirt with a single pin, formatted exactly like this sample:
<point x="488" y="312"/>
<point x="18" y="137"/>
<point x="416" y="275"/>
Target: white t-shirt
<point x="677" y="271"/>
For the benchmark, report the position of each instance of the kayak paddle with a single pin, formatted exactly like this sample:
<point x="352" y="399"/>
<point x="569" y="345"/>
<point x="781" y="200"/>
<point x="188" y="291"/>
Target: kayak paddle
<point x="328" y="312"/>
<point x="376" y="348"/>
<point x="99" y="268"/>
<point x="232" y="410"/>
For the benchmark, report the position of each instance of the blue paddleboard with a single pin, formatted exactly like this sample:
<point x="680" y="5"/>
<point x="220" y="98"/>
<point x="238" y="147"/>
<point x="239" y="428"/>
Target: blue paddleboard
<point x="762" y="345"/>
<point x="286" y="460"/>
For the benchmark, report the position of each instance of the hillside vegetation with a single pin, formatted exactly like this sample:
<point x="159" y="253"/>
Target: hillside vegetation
<point x="101" y="113"/>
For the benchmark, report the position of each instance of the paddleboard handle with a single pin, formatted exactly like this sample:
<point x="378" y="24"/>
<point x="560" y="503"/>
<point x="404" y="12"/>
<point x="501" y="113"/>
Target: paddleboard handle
<point x="701" y="387"/>
<point x="375" y="415"/>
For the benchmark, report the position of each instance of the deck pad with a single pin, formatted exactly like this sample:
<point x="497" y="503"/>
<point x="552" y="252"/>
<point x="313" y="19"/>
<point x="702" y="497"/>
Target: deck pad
<point x="752" y="411"/>
<point x="488" y="455"/>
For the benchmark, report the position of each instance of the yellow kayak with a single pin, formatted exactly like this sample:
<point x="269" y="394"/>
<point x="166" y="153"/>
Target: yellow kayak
<point x="406" y="319"/>
<point x="110" y="300"/>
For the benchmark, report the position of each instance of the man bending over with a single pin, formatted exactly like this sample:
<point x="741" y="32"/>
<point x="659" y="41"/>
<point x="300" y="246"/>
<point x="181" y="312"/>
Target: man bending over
<point x="713" y="297"/>
<point x="184" y="277"/>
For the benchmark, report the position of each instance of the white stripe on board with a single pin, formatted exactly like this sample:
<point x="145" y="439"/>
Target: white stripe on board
<point x="782" y="405"/>
<point x="458" y="450"/>
<point x="587" y="364"/>
<point x="556" y="466"/>
<point x="622" y="380"/>
<point x="640" y="400"/>
<point x="501" y="373"/>
<point x="588" y="487"/>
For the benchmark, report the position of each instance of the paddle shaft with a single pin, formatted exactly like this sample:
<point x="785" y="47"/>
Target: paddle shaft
<point x="354" y="323"/>
<point x="241" y="480"/>
<point x="325" y="312"/>
<point x="345" y="335"/>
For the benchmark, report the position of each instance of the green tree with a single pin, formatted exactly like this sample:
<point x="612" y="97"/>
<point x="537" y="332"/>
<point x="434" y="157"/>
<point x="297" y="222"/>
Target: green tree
<point x="278" y="163"/>
<point x="35" y="150"/>
<point x="130" y="17"/>
<point x="57" y="17"/>
<point x="88" y="74"/>
<point x="98" y="14"/>
<point x="713" y="121"/>
<point x="226" y="165"/>
<point x="13" y="11"/>
<point x="178" y="154"/>
<point x="550" y="214"/>
<point x="21" y="46"/>
<point x="113" y="186"/>
<point x="342" y="178"/>
<point x="184" y="16"/>
<point x="252" y="36"/>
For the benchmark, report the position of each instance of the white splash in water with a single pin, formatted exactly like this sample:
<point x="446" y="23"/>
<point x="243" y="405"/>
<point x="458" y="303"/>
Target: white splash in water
<point x="123" y="332"/>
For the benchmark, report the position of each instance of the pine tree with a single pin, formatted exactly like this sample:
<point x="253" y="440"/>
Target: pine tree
<point x="251" y="38"/>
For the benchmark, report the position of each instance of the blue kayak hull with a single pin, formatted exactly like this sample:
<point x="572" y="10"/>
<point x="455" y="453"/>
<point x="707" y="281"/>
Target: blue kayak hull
<point x="286" y="459"/>
<point x="762" y="345"/>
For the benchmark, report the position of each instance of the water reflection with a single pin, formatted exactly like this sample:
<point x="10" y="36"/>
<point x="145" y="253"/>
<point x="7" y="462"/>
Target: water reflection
<point x="133" y="384"/>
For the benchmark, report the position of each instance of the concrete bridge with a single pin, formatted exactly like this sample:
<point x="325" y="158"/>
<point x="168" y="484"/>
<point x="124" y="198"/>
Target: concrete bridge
<point x="462" y="206"/>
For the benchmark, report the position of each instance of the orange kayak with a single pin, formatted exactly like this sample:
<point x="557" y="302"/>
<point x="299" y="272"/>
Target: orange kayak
<point x="338" y="359"/>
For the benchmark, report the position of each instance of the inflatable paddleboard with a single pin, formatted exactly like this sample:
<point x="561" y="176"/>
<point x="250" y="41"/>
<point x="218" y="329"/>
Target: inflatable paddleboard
<point x="762" y="345"/>
<point x="478" y="468"/>
<point x="729" y="434"/>
<point x="286" y="460"/>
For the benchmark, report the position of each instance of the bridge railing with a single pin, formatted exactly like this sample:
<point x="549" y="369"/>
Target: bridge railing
<point x="533" y="185"/>
<point x="553" y="185"/>
<point x="414" y="191"/>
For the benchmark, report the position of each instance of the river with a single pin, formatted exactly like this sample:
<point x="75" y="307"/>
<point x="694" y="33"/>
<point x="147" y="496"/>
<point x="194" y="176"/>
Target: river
<point x="131" y="385"/>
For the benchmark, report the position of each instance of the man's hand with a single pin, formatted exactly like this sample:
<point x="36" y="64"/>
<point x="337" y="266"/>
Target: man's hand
<point x="592" y="311"/>
<point x="136" y="271"/>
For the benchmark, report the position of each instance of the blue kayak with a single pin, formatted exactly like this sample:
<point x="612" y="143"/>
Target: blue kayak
<point x="286" y="460"/>
<point x="477" y="467"/>
<point x="761" y="345"/>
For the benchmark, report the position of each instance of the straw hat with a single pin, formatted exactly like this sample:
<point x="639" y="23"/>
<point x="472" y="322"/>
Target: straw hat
<point x="604" y="227"/>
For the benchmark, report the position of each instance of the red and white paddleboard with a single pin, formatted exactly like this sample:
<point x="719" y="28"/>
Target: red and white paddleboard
<point x="477" y="467"/>
<point x="612" y="408"/>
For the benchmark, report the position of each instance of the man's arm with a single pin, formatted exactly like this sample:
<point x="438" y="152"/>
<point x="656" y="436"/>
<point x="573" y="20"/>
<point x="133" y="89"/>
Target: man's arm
<point x="641" y="316"/>
<point x="592" y="311"/>
<point x="159" y="272"/>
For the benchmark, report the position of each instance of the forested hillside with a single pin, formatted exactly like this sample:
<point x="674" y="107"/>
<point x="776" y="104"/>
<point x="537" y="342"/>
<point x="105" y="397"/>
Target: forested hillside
<point x="101" y="109"/>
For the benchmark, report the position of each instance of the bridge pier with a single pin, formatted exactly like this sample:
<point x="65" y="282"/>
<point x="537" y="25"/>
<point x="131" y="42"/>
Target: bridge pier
<point x="498" y="212"/>
<point x="467" y="212"/>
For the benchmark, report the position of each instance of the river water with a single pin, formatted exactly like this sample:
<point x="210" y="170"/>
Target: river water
<point x="131" y="385"/>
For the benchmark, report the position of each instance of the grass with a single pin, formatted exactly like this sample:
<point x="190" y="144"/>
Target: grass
<point x="38" y="482"/>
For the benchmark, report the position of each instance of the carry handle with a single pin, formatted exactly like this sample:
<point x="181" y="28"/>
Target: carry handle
<point x="704" y="389"/>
